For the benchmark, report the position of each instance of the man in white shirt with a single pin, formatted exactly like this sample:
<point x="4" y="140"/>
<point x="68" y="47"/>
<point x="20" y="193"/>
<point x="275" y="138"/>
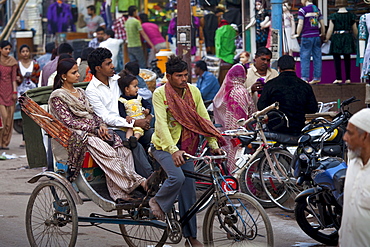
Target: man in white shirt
<point x="103" y="93"/>
<point x="355" y="224"/>
<point x="112" y="44"/>
<point x="259" y="69"/>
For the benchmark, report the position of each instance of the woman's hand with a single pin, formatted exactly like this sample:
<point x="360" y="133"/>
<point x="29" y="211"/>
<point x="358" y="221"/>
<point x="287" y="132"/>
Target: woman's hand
<point x="178" y="158"/>
<point x="103" y="133"/>
<point x="15" y="97"/>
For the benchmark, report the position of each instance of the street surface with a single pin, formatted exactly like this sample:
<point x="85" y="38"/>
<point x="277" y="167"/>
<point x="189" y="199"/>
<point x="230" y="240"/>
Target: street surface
<point x="15" y="191"/>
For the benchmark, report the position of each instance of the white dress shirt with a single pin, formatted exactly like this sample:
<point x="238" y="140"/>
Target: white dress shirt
<point x="354" y="230"/>
<point x="104" y="100"/>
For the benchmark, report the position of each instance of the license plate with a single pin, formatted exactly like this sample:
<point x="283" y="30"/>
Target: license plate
<point x="239" y="152"/>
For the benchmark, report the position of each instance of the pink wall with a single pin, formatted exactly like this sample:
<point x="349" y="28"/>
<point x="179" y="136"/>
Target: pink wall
<point x="328" y="71"/>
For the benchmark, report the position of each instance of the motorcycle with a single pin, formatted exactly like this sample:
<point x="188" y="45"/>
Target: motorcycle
<point x="319" y="166"/>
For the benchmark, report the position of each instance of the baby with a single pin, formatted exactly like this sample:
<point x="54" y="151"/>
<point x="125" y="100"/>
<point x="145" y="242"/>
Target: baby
<point x="131" y="106"/>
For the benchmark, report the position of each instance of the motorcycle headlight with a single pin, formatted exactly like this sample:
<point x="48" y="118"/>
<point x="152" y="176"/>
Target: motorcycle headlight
<point x="308" y="150"/>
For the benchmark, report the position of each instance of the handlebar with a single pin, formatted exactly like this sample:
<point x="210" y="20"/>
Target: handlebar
<point x="349" y="101"/>
<point x="214" y="157"/>
<point x="243" y="122"/>
<point x="238" y="132"/>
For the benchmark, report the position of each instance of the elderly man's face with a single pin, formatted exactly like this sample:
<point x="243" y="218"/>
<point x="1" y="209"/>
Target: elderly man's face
<point x="353" y="139"/>
<point x="262" y="63"/>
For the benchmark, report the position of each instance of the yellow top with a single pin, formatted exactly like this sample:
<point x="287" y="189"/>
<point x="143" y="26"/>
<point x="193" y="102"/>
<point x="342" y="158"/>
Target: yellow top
<point x="167" y="130"/>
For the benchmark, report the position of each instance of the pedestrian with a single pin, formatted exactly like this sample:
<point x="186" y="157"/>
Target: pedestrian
<point x="231" y="103"/>
<point x="133" y="32"/>
<point x="100" y="33"/>
<point x="207" y="83"/>
<point x="295" y="97"/>
<point x="155" y="36"/>
<point x="180" y="118"/>
<point x="103" y="93"/>
<point x="92" y="22"/>
<point x="44" y="59"/>
<point x="8" y="92"/>
<point x="28" y="74"/>
<point x="260" y="69"/>
<point x="310" y="24"/>
<point x="29" y="70"/>
<point x="51" y="66"/>
<point x="356" y="206"/>
<point x="112" y="44"/>
<point x="83" y="67"/>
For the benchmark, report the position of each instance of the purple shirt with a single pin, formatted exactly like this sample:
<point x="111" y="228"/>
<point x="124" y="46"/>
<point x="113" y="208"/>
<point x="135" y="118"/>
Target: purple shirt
<point x="310" y="15"/>
<point x="153" y="33"/>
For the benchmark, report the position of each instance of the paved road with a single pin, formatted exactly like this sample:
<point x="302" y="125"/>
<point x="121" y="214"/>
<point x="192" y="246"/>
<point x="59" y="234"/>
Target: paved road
<point x="15" y="191"/>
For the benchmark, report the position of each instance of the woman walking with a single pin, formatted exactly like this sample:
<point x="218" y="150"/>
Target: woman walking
<point x="8" y="92"/>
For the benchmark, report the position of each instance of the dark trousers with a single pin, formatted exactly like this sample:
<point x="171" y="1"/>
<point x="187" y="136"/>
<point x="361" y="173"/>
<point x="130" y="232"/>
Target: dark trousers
<point x="338" y="66"/>
<point x="142" y="165"/>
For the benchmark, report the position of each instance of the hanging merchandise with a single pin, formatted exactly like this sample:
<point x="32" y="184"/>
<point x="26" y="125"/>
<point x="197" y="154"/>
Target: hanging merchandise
<point x="60" y="18"/>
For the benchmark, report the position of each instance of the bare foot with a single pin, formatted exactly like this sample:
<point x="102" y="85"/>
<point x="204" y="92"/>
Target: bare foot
<point x="156" y="209"/>
<point x="193" y="242"/>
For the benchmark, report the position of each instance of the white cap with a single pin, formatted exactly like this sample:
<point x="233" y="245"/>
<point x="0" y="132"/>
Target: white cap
<point x="361" y="119"/>
<point x="234" y="26"/>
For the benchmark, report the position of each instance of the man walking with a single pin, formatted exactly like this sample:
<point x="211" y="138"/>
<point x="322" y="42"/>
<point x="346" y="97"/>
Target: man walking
<point x="354" y="230"/>
<point x="133" y="32"/>
<point x="295" y="96"/>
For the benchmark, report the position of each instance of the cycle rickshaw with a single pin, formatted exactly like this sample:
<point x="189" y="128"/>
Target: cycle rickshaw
<point x="233" y="218"/>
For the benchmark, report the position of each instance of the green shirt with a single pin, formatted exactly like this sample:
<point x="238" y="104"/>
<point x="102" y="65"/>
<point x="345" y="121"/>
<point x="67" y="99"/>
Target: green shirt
<point x="133" y="28"/>
<point x="225" y="43"/>
<point x="167" y="130"/>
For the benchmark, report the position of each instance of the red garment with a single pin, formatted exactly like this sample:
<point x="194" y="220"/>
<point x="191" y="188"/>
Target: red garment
<point x="119" y="28"/>
<point x="7" y="76"/>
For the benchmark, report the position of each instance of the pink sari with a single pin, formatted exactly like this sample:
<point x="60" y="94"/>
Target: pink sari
<point x="231" y="103"/>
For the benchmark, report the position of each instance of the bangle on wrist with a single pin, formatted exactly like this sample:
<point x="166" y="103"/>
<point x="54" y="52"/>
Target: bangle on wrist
<point x="15" y="92"/>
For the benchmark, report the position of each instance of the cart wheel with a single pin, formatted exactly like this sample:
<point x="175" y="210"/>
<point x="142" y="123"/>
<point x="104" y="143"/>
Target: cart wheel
<point x="142" y="235"/>
<point x="17" y="126"/>
<point x="51" y="216"/>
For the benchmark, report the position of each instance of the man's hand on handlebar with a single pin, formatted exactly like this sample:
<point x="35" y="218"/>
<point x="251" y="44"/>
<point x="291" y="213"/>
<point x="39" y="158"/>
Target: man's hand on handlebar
<point x="219" y="151"/>
<point x="178" y="158"/>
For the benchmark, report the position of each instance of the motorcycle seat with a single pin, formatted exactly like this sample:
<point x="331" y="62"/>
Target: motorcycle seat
<point x="282" y="138"/>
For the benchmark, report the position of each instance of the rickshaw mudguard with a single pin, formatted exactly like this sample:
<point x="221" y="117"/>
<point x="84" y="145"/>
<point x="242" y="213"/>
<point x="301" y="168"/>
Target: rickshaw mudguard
<point x="84" y="187"/>
<point x="76" y="198"/>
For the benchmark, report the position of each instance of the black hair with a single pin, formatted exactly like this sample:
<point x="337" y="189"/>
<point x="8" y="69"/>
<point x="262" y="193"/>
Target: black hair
<point x="133" y="68"/>
<point x="202" y="65"/>
<point x="92" y="8"/>
<point x="131" y="10"/>
<point x="219" y="10"/>
<point x="286" y="62"/>
<point x="65" y="48"/>
<point x="110" y="33"/>
<point x="85" y="52"/>
<point x="125" y="80"/>
<point x="97" y="57"/>
<point x="64" y="65"/>
<point x="263" y="51"/>
<point x="24" y="46"/>
<point x="143" y="17"/>
<point x="175" y="64"/>
<point x="100" y="28"/>
<point x="5" y="43"/>
<point x="49" y="47"/>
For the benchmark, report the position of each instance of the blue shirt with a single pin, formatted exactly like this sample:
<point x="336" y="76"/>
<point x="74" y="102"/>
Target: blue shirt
<point x="208" y="85"/>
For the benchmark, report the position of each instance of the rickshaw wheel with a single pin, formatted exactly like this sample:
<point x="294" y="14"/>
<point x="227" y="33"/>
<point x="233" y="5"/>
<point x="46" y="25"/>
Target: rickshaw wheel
<point x="140" y="235"/>
<point x="51" y="216"/>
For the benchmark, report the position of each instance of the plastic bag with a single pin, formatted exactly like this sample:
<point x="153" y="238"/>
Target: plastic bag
<point x="325" y="47"/>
